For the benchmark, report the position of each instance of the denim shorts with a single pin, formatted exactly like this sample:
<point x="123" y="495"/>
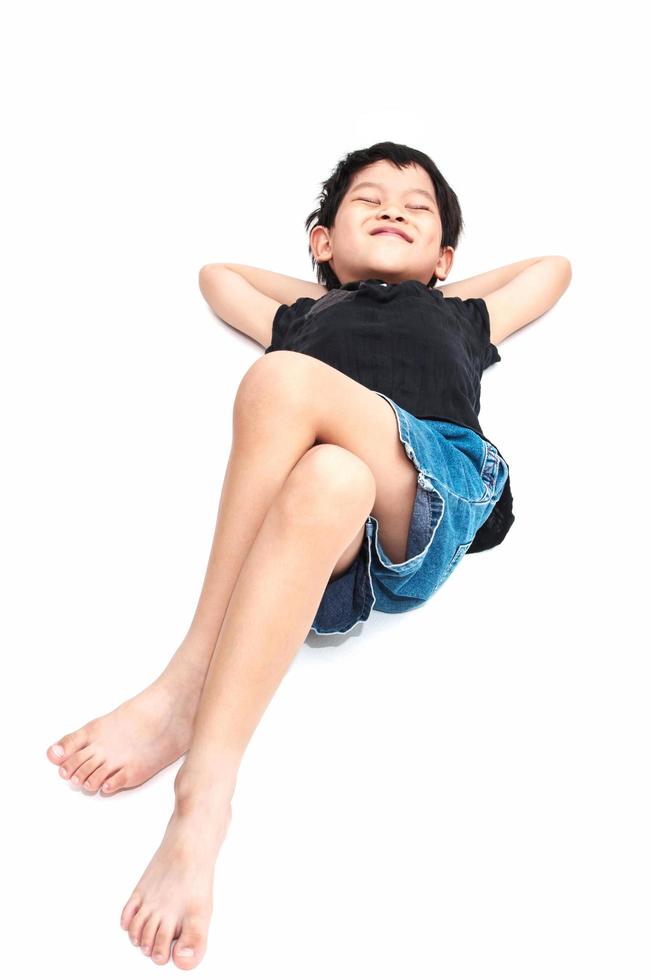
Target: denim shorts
<point x="461" y="477"/>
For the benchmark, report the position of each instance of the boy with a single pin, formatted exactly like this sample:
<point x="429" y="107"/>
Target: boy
<point x="331" y="455"/>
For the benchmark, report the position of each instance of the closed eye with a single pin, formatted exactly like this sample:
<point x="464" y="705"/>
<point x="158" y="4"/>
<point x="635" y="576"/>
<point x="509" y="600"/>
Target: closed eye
<point x="416" y="207"/>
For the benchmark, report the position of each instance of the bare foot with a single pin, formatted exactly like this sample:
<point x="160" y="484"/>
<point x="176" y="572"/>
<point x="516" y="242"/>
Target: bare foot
<point x="174" y="897"/>
<point x="139" y="738"/>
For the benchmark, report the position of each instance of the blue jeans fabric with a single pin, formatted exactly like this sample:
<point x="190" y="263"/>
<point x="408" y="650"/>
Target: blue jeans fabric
<point x="461" y="477"/>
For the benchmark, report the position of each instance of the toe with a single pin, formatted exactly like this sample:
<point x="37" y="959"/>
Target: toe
<point x="149" y="931"/>
<point x="117" y="780"/>
<point x="69" y="744"/>
<point x="97" y="778"/>
<point x="77" y="759"/>
<point x="191" y="944"/>
<point x="137" y="925"/>
<point x="86" y="770"/>
<point x="130" y="910"/>
<point x="160" y="951"/>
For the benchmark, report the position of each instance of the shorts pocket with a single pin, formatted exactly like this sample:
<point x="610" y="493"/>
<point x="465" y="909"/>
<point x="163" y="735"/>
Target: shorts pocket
<point x="454" y="561"/>
<point x="426" y="516"/>
<point x="490" y="470"/>
<point x="403" y="585"/>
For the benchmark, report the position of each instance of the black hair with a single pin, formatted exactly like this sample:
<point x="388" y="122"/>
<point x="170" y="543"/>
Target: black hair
<point x="336" y="186"/>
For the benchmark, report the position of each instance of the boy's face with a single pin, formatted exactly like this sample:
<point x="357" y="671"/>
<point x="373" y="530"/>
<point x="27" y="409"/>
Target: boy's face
<point x="356" y="251"/>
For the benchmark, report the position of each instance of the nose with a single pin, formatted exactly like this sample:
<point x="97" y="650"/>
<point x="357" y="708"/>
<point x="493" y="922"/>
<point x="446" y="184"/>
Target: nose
<point x="392" y="213"/>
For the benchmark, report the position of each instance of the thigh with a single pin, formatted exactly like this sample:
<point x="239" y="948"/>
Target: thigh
<point x="348" y="414"/>
<point x="336" y="409"/>
<point x="350" y="555"/>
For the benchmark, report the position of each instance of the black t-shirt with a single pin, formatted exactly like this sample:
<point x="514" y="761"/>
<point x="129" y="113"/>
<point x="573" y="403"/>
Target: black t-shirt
<point x="425" y="351"/>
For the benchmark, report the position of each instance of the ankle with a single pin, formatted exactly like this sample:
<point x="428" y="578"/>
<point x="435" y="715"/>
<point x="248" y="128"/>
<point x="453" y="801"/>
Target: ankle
<point x="198" y="644"/>
<point x="189" y="663"/>
<point x="195" y="787"/>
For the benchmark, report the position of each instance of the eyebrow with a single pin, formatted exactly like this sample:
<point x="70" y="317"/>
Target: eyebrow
<point x="372" y="183"/>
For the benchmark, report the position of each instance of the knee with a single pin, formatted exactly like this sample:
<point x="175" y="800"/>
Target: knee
<point x="277" y="380"/>
<point x="328" y="484"/>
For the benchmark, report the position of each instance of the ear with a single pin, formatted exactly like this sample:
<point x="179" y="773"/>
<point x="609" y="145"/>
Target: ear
<point x="527" y="296"/>
<point x="319" y="244"/>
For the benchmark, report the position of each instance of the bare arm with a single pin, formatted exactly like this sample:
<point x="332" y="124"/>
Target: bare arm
<point x="247" y="298"/>
<point x="284" y="289"/>
<point x="486" y="282"/>
<point x="527" y="296"/>
<point x="238" y="303"/>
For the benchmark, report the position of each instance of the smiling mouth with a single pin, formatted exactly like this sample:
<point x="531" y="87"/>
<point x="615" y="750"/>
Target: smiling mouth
<point x="394" y="233"/>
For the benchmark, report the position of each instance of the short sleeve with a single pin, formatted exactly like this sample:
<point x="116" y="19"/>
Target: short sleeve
<point x="285" y="320"/>
<point x="476" y="313"/>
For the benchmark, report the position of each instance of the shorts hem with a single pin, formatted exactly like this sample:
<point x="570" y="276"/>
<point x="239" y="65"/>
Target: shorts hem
<point x="373" y="582"/>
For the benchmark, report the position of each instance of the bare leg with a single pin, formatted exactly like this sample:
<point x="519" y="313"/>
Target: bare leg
<point x="269" y="436"/>
<point x="153" y="729"/>
<point x="325" y="499"/>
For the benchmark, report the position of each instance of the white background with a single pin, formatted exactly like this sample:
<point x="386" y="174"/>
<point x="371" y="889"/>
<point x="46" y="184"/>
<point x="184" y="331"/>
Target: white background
<point x="460" y="792"/>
